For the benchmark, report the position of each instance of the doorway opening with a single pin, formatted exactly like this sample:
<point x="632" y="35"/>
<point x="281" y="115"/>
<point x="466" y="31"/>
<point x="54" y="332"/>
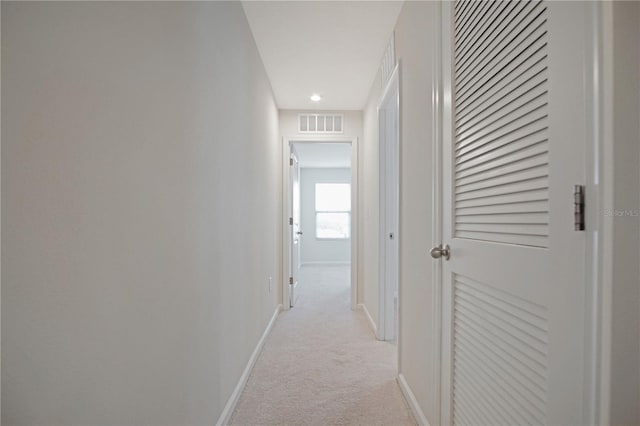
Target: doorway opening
<point x="320" y="223"/>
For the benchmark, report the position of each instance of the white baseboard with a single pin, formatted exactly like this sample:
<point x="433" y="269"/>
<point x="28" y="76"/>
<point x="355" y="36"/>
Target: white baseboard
<point x="372" y="323"/>
<point x="233" y="399"/>
<point x="411" y="400"/>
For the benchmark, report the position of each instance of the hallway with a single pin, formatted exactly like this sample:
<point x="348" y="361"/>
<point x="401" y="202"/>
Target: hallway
<point x="489" y="204"/>
<point x="322" y="365"/>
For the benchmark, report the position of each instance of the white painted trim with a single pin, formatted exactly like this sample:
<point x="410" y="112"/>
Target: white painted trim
<point x="286" y="258"/>
<point x="436" y="206"/>
<point x="392" y="88"/>
<point x="446" y="133"/>
<point x="320" y="263"/>
<point x="599" y="187"/>
<point x="412" y="401"/>
<point x="235" y="395"/>
<point x="372" y="323"/>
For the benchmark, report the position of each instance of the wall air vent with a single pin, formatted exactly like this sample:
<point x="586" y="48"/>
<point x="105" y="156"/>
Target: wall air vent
<point x="320" y="123"/>
<point x="388" y="62"/>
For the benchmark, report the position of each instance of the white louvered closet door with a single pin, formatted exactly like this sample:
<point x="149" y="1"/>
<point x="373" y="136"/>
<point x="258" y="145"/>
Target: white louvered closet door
<point x="514" y="147"/>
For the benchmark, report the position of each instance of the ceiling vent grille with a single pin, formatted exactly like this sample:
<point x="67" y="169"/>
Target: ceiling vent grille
<point x="320" y="123"/>
<point x="388" y="62"/>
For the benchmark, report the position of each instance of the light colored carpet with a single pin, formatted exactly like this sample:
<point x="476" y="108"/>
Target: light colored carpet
<point x="322" y="365"/>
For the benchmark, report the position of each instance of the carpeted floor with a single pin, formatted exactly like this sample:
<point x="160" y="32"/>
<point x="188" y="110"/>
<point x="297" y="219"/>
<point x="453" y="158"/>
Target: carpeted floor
<point x="322" y="365"/>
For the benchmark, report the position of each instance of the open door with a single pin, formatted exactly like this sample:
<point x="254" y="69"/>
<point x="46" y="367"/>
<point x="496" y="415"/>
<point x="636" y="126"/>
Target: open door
<point x="389" y="139"/>
<point x="513" y="252"/>
<point x="294" y="225"/>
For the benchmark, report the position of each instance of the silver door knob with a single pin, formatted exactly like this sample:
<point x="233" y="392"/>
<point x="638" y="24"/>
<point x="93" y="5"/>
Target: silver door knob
<point x="438" y="252"/>
<point x="299" y="232"/>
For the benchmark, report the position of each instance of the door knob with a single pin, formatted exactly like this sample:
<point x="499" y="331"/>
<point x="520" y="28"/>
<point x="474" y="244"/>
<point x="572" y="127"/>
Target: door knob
<point x="438" y="252"/>
<point x="299" y="232"/>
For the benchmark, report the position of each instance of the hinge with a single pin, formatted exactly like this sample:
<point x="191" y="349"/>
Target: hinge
<point x="578" y="207"/>
<point x="290" y="221"/>
<point x="291" y="280"/>
<point x="291" y="161"/>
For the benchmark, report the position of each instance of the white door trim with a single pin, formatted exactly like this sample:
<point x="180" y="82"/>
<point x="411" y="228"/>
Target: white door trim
<point x="446" y="132"/>
<point x="391" y="93"/>
<point x="437" y="97"/>
<point x="599" y="196"/>
<point x="286" y="202"/>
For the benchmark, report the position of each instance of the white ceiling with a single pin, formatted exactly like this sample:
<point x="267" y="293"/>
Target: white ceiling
<point x="323" y="154"/>
<point x="332" y="48"/>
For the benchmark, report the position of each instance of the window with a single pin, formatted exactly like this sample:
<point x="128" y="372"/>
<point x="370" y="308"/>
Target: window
<point x="333" y="210"/>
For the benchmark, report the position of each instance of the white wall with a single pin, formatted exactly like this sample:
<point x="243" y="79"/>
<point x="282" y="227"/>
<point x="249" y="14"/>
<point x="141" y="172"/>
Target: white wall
<point x="353" y="128"/>
<point x="415" y="49"/>
<point x="141" y="214"/>
<point x="315" y="250"/>
<point x="625" y="351"/>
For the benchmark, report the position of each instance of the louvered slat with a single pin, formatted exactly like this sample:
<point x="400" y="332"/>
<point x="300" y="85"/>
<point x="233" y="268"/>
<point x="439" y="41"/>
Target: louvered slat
<point x="474" y="23"/>
<point x="525" y="332"/>
<point x="503" y="199"/>
<point x="524" y="377"/>
<point x="505" y="218"/>
<point x="524" y="207"/>
<point x="492" y="149"/>
<point x="514" y="163"/>
<point x="518" y="239"/>
<point x="512" y="401"/>
<point x="525" y="106"/>
<point x="507" y="40"/>
<point x="527" y="123"/>
<point x="522" y="229"/>
<point x="507" y="187"/>
<point x="475" y="55"/>
<point x="485" y="29"/>
<point x="510" y="62"/>
<point x="501" y="122"/>
<point x="517" y="40"/>
<point x="463" y="9"/>
<point x="462" y="22"/>
<point x="482" y="407"/>
<point x="496" y="346"/>
<point x="527" y="90"/>
<point x="526" y="174"/>
<point x="493" y="161"/>
<point x="504" y="94"/>
<point x="500" y="356"/>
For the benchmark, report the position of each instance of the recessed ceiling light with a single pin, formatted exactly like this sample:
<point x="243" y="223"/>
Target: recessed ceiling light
<point x="315" y="97"/>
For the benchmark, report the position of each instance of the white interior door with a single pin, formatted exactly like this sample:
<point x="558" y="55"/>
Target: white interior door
<point x="388" y="119"/>
<point x="514" y="147"/>
<point x="296" y="231"/>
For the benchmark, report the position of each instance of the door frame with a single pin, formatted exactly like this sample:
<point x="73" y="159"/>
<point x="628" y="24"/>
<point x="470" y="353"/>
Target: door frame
<point x="294" y="257"/>
<point x="287" y="142"/>
<point x="437" y="97"/>
<point x="599" y="193"/>
<point x="385" y="305"/>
